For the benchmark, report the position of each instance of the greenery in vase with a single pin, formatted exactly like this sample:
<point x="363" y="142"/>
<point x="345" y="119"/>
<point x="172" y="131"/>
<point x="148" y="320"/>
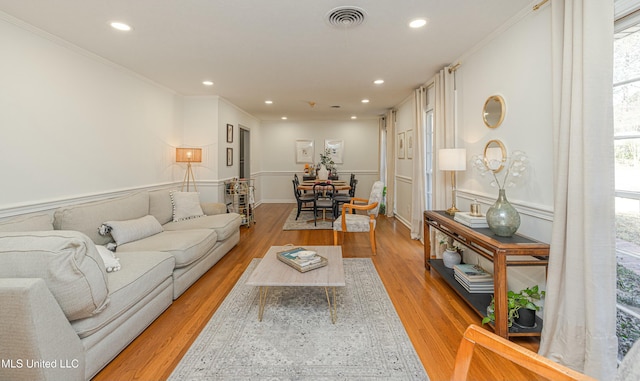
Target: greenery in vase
<point x="326" y="160"/>
<point x="450" y="246"/>
<point x="515" y="301"/>
<point x="516" y="166"/>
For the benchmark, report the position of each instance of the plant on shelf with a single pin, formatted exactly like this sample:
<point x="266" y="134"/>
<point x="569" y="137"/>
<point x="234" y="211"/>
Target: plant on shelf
<point x="515" y="301"/>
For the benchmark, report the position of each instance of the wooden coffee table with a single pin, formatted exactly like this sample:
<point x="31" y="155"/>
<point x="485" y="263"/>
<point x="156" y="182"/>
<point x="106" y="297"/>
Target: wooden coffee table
<point x="271" y="272"/>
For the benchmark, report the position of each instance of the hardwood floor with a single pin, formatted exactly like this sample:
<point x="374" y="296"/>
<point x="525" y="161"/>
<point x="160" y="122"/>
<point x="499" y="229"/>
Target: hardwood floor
<point x="433" y="315"/>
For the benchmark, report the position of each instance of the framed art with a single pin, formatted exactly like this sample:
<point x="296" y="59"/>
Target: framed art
<point x="304" y="151"/>
<point x="400" y="144"/>
<point x="409" y="144"/>
<point x="229" y="157"/>
<point x="336" y="149"/>
<point x="229" y="133"/>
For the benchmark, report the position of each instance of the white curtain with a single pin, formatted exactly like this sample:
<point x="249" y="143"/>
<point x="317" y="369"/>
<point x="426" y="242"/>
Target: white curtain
<point x="580" y="312"/>
<point x="417" y="188"/>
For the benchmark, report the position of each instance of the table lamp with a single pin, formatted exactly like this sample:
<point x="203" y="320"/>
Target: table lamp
<point x="452" y="159"/>
<point x="189" y="155"/>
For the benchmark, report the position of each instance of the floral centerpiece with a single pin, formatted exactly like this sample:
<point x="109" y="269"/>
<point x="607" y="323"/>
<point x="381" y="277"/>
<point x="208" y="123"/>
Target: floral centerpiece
<point x="325" y="165"/>
<point x="503" y="219"/>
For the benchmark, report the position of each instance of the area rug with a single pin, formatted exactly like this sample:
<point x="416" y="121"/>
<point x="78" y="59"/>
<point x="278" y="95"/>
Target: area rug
<point x="296" y="339"/>
<point x="305" y="221"/>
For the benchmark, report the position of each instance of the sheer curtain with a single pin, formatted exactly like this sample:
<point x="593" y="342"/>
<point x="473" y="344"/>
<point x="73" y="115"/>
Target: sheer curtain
<point x="391" y="161"/>
<point x="580" y="312"/>
<point x="417" y="189"/>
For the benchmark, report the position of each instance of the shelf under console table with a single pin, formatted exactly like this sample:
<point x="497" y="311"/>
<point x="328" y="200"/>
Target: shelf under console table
<point x="517" y="250"/>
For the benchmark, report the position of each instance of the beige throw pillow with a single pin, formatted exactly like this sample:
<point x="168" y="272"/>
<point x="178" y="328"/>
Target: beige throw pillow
<point x="186" y="205"/>
<point x="131" y="230"/>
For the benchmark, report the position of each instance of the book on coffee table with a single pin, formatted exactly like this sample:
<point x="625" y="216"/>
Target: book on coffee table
<point x="291" y="258"/>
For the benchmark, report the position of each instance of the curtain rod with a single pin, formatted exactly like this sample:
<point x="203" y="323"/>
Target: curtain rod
<point x="454" y="67"/>
<point x="540" y="4"/>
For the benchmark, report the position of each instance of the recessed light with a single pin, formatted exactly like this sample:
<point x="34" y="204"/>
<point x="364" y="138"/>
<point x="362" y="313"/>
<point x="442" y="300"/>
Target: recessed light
<point x="284" y="118"/>
<point x="268" y="102"/>
<point x="365" y="101"/>
<point x="354" y="117"/>
<point x="207" y="83"/>
<point x="120" y="26"/>
<point x="418" y="23"/>
<point x="379" y="81"/>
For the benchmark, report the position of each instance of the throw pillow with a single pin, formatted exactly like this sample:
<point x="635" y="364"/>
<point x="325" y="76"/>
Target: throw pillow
<point x="67" y="261"/>
<point x="186" y="205"/>
<point x="111" y="263"/>
<point x="131" y="230"/>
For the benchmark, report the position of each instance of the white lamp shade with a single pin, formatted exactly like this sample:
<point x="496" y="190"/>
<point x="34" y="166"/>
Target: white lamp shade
<point x="452" y="159"/>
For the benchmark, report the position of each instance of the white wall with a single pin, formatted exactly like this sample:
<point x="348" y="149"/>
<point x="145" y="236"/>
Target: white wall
<point x="278" y="161"/>
<point x="516" y="64"/>
<point x="73" y="124"/>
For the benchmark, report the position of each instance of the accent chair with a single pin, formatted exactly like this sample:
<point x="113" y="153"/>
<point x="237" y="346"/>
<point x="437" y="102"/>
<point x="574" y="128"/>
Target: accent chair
<point x="360" y="223"/>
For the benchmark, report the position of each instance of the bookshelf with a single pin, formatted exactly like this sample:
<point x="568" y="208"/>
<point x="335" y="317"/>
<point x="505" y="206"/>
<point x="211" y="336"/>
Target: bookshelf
<point x="502" y="252"/>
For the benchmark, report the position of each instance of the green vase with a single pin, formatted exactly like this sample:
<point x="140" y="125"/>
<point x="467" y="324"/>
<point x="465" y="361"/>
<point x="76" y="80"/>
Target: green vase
<point x="503" y="219"/>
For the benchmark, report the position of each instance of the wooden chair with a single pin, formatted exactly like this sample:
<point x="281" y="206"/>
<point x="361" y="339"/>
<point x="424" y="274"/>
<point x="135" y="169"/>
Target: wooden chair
<point x="342" y="198"/>
<point x="513" y="352"/>
<point x="348" y="222"/>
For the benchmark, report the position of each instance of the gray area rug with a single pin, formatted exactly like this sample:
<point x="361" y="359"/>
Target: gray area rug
<point x="305" y="221"/>
<point x="296" y="340"/>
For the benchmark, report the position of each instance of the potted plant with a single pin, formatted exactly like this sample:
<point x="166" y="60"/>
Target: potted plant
<point x="521" y="307"/>
<point x="452" y="254"/>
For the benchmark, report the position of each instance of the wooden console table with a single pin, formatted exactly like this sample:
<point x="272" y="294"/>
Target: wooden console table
<point x="517" y="250"/>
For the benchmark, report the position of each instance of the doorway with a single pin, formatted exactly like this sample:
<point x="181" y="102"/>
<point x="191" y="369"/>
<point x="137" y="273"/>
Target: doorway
<point x="245" y="171"/>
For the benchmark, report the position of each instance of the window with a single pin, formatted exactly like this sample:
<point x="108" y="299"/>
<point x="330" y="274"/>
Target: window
<point x="626" y="111"/>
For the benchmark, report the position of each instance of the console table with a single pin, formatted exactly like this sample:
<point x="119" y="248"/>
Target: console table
<point x="517" y="250"/>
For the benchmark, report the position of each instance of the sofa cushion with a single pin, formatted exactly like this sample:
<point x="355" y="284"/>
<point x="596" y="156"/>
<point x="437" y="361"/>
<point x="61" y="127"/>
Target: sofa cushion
<point x="69" y="263"/>
<point x="224" y="224"/>
<point x="88" y="217"/>
<point x="186" y="246"/>
<point x="186" y="205"/>
<point x="131" y="230"/>
<point x="27" y="223"/>
<point x="141" y="273"/>
<point x="160" y="205"/>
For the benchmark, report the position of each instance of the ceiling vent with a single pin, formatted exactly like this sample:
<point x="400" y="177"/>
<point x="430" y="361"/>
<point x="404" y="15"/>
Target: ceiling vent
<point x="346" y="17"/>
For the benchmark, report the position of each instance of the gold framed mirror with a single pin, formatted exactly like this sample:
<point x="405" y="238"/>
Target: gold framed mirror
<point x="495" y="155"/>
<point x="494" y="111"/>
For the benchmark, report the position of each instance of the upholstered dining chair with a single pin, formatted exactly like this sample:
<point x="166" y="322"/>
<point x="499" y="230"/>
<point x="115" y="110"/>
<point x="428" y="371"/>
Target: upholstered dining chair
<point x="349" y="222"/>
<point x="305" y="201"/>
<point x="323" y="200"/>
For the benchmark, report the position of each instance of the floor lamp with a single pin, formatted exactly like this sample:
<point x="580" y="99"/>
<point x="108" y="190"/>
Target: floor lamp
<point x="189" y="155"/>
<point x="452" y="159"/>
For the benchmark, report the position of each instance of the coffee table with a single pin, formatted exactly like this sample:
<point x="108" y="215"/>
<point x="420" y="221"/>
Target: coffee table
<point x="271" y="272"/>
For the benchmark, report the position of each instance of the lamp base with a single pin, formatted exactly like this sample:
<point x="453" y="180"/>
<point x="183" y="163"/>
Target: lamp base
<point x="452" y="211"/>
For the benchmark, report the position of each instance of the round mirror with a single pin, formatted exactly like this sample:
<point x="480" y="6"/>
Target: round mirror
<point x="495" y="155"/>
<point x="493" y="111"/>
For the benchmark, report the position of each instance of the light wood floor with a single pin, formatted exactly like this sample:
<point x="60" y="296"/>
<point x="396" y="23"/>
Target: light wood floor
<point x="433" y="315"/>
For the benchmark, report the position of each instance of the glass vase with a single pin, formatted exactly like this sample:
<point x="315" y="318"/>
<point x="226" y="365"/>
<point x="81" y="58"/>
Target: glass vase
<point x="503" y="219"/>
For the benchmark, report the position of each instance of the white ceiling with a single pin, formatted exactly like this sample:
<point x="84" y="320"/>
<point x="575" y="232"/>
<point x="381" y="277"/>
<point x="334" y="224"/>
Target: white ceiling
<point x="282" y="50"/>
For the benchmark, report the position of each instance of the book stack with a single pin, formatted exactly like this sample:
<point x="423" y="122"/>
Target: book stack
<point x="471" y="221"/>
<point x="473" y="278"/>
<point x="302" y="259"/>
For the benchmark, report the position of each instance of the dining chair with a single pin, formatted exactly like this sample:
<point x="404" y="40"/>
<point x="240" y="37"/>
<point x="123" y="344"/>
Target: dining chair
<point x="360" y="223"/>
<point x="323" y="200"/>
<point x="305" y="201"/>
<point x="341" y="198"/>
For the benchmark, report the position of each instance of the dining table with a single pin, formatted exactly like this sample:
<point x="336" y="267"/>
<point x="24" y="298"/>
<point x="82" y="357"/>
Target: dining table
<point x="340" y="185"/>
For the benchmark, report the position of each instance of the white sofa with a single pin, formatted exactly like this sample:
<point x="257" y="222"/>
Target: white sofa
<point x="62" y="315"/>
